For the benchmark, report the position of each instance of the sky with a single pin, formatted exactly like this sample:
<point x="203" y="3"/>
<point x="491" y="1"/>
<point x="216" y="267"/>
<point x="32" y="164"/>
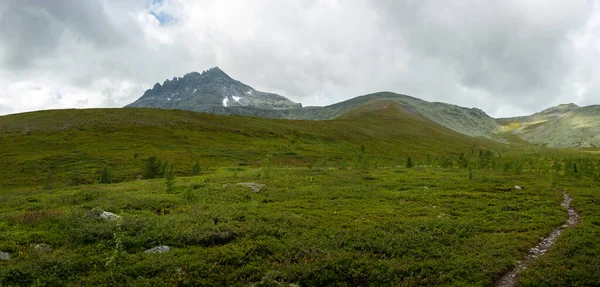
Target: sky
<point x="508" y="58"/>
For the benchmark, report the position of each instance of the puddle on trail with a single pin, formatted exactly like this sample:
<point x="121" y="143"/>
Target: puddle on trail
<point x="510" y="279"/>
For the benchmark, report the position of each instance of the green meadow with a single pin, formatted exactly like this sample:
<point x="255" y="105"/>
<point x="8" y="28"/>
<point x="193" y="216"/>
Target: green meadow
<point x="339" y="204"/>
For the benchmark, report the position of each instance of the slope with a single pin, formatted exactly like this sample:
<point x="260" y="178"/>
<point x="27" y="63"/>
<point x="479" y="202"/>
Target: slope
<point x="579" y="128"/>
<point x="62" y="147"/>
<point x="545" y="115"/>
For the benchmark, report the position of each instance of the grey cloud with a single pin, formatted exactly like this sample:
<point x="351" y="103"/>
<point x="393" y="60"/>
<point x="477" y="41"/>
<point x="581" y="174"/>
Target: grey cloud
<point x="507" y="48"/>
<point x="506" y="57"/>
<point x="35" y="28"/>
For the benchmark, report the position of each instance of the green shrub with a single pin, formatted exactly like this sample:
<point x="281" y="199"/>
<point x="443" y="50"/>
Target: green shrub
<point x="154" y="167"/>
<point x="105" y="175"/>
<point x="48" y="184"/>
<point x="409" y="163"/>
<point x="189" y="194"/>
<point x="196" y="168"/>
<point x="169" y="178"/>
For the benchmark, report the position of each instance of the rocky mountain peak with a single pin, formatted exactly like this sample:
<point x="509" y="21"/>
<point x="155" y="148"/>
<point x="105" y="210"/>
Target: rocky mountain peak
<point x="207" y="90"/>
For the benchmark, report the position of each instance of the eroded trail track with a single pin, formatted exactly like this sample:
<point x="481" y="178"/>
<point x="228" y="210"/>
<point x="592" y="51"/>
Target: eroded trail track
<point x="510" y="279"/>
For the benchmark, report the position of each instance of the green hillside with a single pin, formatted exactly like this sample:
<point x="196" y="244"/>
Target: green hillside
<point x="72" y="146"/>
<point x="380" y="196"/>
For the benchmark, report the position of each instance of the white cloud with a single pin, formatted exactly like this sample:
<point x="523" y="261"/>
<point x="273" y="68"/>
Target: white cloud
<point x="507" y="57"/>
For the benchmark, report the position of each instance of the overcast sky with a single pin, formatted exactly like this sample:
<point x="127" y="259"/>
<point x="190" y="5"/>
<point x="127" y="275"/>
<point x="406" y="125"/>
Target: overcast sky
<point x="506" y="57"/>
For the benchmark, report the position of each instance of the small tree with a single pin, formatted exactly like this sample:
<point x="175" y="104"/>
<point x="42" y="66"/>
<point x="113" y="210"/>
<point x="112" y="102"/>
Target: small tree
<point x="463" y="162"/>
<point x="196" y="168"/>
<point x="105" y="175"/>
<point x="48" y="181"/>
<point x="169" y="178"/>
<point x="153" y="167"/>
<point x="409" y="163"/>
<point x="266" y="171"/>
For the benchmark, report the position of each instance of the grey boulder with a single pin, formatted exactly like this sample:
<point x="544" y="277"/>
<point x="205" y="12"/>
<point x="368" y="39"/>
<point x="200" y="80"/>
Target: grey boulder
<point x="158" y="249"/>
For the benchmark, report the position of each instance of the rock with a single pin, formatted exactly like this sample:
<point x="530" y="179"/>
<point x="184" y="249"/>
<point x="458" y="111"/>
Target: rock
<point x="4" y="256"/>
<point x="109" y="215"/>
<point x="518" y="187"/>
<point x="252" y="184"/>
<point x="158" y="249"/>
<point x="255" y="187"/>
<point x="43" y="247"/>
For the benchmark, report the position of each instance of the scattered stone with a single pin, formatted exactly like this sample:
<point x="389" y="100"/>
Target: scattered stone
<point x="4" y="256"/>
<point x="43" y="248"/>
<point x="518" y="187"/>
<point x="109" y="215"/>
<point x="158" y="249"/>
<point x="255" y="187"/>
<point x="425" y="187"/>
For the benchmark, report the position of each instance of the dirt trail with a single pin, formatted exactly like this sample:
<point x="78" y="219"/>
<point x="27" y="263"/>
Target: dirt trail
<point x="510" y="279"/>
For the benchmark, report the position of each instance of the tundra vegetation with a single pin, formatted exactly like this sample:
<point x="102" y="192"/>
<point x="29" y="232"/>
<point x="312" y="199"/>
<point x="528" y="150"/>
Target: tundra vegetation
<point x="450" y="217"/>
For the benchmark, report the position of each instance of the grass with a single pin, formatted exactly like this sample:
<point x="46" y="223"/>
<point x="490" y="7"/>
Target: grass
<point x="338" y="207"/>
<point x="512" y="126"/>
<point x="575" y="259"/>
<point x="69" y="147"/>
<point x="419" y="226"/>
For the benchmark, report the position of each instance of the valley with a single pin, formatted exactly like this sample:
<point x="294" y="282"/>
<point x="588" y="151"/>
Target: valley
<point x="299" y="143"/>
<point x="380" y="195"/>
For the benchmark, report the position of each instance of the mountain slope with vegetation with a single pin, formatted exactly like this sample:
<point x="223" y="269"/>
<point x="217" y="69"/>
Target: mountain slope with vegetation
<point x="579" y="128"/>
<point x="563" y="126"/>
<point x="74" y="145"/>
<point x="381" y="195"/>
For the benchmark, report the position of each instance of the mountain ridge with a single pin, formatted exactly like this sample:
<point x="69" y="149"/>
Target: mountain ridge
<point x="213" y="87"/>
<point x="214" y="91"/>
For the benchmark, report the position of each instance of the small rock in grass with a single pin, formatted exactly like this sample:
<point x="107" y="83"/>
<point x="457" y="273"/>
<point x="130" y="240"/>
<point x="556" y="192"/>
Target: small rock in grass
<point x="252" y="184"/>
<point x="158" y="249"/>
<point x="255" y="187"/>
<point x="4" y="256"/>
<point x="518" y="187"/>
<point x="109" y="215"/>
<point x="43" y="248"/>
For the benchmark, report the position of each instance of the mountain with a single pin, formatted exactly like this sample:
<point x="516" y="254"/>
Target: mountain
<point x="473" y="122"/>
<point x="562" y="126"/>
<point x="575" y="128"/>
<point x="543" y="116"/>
<point x="203" y="92"/>
<point x="215" y="92"/>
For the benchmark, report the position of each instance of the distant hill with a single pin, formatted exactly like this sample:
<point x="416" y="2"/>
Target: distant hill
<point x="215" y="92"/>
<point x="577" y="128"/>
<point x="562" y="126"/>
<point x="545" y="115"/>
